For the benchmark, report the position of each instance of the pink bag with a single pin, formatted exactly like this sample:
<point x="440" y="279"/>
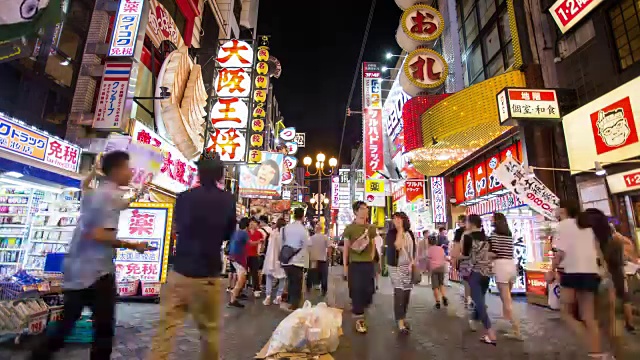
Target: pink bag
<point x="361" y="243"/>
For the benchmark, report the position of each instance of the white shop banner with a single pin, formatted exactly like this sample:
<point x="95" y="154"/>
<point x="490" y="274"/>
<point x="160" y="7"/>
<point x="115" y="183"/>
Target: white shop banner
<point x="530" y="190"/>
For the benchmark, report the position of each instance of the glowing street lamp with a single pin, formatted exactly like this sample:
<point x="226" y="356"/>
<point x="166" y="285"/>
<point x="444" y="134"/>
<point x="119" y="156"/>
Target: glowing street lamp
<point x="320" y="162"/>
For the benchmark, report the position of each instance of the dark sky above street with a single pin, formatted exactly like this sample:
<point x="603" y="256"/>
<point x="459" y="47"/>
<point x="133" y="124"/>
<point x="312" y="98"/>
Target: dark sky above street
<point x="318" y="44"/>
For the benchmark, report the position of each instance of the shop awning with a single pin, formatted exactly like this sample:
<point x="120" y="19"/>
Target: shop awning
<point x="462" y="123"/>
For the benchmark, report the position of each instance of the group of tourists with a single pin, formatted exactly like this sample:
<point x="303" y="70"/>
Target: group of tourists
<point x="276" y="256"/>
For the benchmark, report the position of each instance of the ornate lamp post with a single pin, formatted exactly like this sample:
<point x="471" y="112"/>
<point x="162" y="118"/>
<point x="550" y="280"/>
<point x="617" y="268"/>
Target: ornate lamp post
<point x="320" y="158"/>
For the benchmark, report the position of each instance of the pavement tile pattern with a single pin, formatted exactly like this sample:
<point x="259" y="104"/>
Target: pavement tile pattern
<point x="436" y="334"/>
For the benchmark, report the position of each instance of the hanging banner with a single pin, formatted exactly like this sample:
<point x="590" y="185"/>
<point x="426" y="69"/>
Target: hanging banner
<point x="112" y="97"/>
<point x="530" y="190"/>
<point x="438" y="200"/>
<point x="335" y="192"/>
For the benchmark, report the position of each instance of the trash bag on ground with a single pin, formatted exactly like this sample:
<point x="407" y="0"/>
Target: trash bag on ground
<point x="310" y="329"/>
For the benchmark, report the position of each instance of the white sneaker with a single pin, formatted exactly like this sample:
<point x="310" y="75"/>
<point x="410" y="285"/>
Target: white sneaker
<point x="267" y="301"/>
<point x="277" y="300"/>
<point x="257" y="294"/>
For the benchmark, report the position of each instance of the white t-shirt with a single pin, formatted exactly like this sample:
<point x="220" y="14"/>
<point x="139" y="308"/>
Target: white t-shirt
<point x="579" y="247"/>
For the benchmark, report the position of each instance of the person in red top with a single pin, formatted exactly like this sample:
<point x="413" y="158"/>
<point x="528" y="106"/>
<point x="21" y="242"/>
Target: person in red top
<point x="256" y="237"/>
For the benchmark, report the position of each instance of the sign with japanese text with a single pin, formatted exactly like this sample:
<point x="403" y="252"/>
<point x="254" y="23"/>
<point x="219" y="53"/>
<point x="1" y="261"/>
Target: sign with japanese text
<point x="414" y="190"/>
<point x="373" y="149"/>
<point x="335" y="192"/>
<point x="373" y="141"/>
<point x="491" y="164"/>
<point x="422" y="23"/>
<point x="392" y="117"/>
<point x="177" y="173"/>
<point x="438" y="200"/>
<point x="112" y="97"/>
<point x="300" y="139"/>
<point x="480" y="178"/>
<point x="230" y="144"/>
<point x="144" y="222"/>
<point x="495" y="204"/>
<point x="530" y="190"/>
<point x="374" y="193"/>
<point x="605" y="129"/>
<point x="397" y="191"/>
<point x="423" y="70"/>
<point x="567" y="13"/>
<point x="35" y="144"/>
<point x="125" y="28"/>
<point x="623" y="182"/>
<point x="229" y="113"/>
<point x="161" y="26"/>
<point x="527" y="104"/>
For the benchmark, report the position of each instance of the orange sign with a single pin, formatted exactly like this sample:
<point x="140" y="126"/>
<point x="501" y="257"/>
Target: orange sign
<point x="20" y="140"/>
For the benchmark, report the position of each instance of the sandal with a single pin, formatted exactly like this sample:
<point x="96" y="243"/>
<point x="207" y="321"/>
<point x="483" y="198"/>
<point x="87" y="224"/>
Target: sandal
<point x="485" y="339"/>
<point x="361" y="326"/>
<point x="404" y="331"/>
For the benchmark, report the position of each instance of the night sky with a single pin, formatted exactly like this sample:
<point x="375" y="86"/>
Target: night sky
<point x="318" y="44"/>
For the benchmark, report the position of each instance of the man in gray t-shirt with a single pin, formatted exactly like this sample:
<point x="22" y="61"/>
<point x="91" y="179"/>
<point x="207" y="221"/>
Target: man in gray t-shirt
<point x="318" y="265"/>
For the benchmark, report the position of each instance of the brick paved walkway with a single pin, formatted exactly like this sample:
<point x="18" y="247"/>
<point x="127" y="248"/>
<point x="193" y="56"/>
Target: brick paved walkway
<point x="437" y="334"/>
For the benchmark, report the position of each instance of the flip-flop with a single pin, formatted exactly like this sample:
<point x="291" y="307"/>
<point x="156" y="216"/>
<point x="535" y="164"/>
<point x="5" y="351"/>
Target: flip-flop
<point x="485" y="339"/>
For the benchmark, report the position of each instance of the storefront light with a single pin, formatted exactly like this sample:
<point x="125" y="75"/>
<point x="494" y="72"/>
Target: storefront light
<point x="30" y="185"/>
<point x="14" y="174"/>
<point x="600" y="171"/>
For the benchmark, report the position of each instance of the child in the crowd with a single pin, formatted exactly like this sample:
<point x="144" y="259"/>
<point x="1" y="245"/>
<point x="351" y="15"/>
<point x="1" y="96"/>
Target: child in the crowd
<point x="437" y="261"/>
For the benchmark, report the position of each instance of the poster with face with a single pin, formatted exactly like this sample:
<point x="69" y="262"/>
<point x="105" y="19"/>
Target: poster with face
<point x="614" y="126"/>
<point x="263" y="180"/>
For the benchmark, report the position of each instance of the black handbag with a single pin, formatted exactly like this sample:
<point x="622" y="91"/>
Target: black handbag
<point x="286" y="252"/>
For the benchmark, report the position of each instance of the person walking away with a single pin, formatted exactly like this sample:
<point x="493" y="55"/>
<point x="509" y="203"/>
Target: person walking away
<point x="238" y="259"/>
<point x="456" y="253"/>
<point x="477" y="269"/>
<point x="576" y="250"/>
<point x="256" y="241"/>
<point x="89" y="270"/>
<point x="401" y="253"/>
<point x="504" y="267"/>
<point x="437" y="261"/>
<point x="296" y="237"/>
<point x="318" y="267"/>
<point x="358" y="262"/>
<point x="204" y="217"/>
<point x="272" y="268"/>
<point x="630" y="259"/>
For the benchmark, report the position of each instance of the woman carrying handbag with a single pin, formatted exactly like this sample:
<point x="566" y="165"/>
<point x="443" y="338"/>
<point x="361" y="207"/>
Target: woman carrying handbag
<point x="401" y="254"/>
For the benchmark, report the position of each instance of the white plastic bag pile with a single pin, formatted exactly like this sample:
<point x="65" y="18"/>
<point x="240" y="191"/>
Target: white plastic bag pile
<point x="310" y="329"/>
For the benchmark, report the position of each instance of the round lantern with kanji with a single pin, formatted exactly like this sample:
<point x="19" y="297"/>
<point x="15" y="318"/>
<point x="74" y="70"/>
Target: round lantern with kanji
<point x="263" y="53"/>
<point x="259" y="112"/>
<point x="256" y="140"/>
<point x="261" y="82"/>
<point x="257" y="125"/>
<point x="260" y="96"/>
<point x="255" y="156"/>
<point x="424" y="70"/>
<point x="262" y="68"/>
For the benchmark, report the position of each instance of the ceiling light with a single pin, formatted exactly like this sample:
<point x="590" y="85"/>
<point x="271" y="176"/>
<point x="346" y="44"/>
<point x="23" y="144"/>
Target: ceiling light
<point x="65" y="62"/>
<point x="389" y="55"/>
<point x="14" y="174"/>
<point x="600" y="171"/>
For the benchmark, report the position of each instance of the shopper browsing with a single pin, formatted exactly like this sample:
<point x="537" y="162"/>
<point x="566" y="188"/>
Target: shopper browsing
<point x="204" y="217"/>
<point x="89" y="270"/>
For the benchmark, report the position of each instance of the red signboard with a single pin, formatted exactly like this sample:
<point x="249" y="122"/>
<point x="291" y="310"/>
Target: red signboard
<point x="469" y="185"/>
<point x="459" y="188"/>
<point x="632" y="180"/>
<point x="373" y="146"/>
<point x="510" y="152"/>
<point x="536" y="283"/>
<point x="398" y="193"/>
<point x="480" y="178"/>
<point x="567" y="13"/>
<point x="414" y="190"/>
<point x="614" y="126"/>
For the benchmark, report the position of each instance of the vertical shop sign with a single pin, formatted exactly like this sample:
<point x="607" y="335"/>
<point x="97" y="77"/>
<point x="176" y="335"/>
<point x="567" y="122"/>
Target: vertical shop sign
<point x="374" y="193"/>
<point x="415" y="190"/>
<point x="530" y="190"/>
<point x="372" y="110"/>
<point x="480" y="177"/>
<point x="125" y="28"/>
<point x="493" y="182"/>
<point x="438" y="200"/>
<point x="112" y="97"/>
<point x="230" y="112"/>
<point x="469" y="185"/>
<point x="335" y="192"/>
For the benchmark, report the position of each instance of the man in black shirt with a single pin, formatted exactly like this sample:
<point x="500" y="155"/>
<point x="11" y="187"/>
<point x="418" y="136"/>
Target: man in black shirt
<point x="204" y="218"/>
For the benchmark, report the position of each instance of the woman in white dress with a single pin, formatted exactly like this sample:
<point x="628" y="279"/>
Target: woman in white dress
<point x="272" y="268"/>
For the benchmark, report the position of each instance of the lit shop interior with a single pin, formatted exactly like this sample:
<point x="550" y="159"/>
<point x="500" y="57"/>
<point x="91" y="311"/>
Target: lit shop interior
<point x="38" y="212"/>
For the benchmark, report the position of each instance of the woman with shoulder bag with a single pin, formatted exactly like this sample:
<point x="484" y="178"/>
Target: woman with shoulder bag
<point x="401" y="253"/>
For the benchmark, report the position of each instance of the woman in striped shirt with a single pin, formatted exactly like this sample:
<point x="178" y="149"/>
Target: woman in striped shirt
<point x="504" y="267"/>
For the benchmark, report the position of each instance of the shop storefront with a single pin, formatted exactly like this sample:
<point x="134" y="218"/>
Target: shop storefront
<point x="39" y="191"/>
<point x="409" y="197"/>
<point x="602" y="139"/>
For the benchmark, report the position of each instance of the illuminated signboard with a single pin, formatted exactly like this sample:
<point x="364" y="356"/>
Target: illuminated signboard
<point x="112" y="97"/>
<point x="438" y="200"/>
<point x="527" y="104"/>
<point x="567" y="13"/>
<point x="373" y="150"/>
<point x="125" y="28"/>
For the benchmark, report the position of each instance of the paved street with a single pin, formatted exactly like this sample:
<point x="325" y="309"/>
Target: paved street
<point x="437" y="334"/>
